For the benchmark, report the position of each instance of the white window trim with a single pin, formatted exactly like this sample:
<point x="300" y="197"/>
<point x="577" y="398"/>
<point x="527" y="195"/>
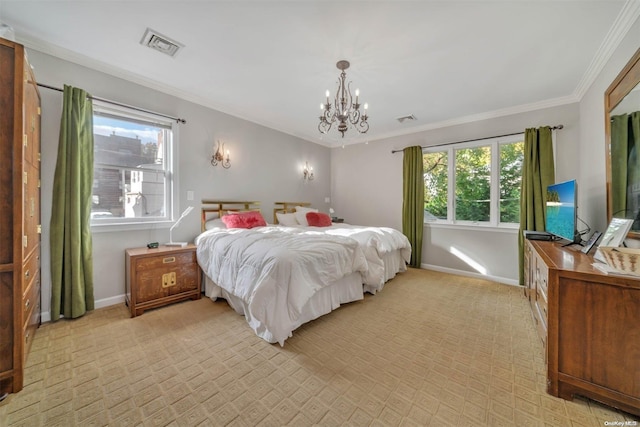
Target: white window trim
<point x="494" y="220"/>
<point x="504" y="228"/>
<point x="119" y="224"/>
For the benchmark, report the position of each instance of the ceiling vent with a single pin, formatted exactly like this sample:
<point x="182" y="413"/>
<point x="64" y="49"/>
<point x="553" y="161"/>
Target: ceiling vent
<point x="161" y="43"/>
<point x="402" y="119"/>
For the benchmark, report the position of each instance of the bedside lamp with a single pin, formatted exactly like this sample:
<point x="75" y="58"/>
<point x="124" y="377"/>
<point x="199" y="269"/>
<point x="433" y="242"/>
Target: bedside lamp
<point x="171" y="242"/>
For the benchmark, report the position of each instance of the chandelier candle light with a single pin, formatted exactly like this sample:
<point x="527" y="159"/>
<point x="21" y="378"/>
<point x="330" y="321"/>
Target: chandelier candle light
<point x="345" y="110"/>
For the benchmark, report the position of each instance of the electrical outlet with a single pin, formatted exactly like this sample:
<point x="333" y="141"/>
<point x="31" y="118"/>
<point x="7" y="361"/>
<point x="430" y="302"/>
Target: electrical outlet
<point x="189" y="194"/>
<point x="327" y="199"/>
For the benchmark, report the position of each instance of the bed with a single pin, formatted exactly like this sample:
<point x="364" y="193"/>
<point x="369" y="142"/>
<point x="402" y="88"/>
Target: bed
<point x="387" y="250"/>
<point x="276" y="278"/>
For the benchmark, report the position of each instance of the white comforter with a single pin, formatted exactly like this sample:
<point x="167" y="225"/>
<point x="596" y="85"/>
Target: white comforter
<point x="376" y="242"/>
<point x="275" y="272"/>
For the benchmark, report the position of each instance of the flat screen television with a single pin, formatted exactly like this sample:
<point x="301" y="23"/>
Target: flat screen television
<point x="561" y="210"/>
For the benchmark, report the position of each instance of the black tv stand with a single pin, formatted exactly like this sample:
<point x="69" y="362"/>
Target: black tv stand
<point x="573" y="243"/>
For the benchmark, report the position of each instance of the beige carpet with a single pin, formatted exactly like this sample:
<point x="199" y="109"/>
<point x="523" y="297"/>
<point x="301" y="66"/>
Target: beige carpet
<point x="430" y="349"/>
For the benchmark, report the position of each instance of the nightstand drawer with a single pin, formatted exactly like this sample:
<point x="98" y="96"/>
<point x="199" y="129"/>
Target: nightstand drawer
<point x="166" y="260"/>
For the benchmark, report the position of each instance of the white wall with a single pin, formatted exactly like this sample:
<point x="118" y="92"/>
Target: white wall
<point x="367" y="189"/>
<point x="265" y="166"/>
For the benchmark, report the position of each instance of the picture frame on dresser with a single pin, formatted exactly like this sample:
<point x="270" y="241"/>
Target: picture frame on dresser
<point x="614" y="236"/>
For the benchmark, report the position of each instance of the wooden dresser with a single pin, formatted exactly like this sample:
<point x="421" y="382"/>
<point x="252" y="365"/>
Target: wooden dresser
<point x="161" y="276"/>
<point x="589" y="324"/>
<point x="19" y="213"/>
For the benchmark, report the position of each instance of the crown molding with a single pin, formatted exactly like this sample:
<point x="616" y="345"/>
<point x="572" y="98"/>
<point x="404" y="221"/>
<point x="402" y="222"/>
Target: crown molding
<point x="624" y="21"/>
<point x="525" y="108"/>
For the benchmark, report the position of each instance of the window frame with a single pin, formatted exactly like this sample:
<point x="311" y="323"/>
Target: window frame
<point x="494" y="208"/>
<point x="170" y="168"/>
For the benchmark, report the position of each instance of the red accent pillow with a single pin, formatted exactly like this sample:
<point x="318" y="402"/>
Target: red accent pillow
<point x="244" y="220"/>
<point x="318" y="219"/>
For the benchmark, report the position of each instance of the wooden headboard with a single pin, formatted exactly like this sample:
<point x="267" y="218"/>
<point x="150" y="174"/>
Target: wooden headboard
<point x="212" y="209"/>
<point x="287" y="207"/>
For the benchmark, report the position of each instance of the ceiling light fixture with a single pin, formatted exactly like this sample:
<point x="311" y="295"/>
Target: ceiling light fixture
<point x="345" y="110"/>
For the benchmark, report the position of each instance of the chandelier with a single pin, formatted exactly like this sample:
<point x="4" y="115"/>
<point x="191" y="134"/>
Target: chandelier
<point x="344" y="110"/>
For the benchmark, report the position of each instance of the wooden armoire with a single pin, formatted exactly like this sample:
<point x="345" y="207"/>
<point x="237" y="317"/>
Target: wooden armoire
<point x="20" y="225"/>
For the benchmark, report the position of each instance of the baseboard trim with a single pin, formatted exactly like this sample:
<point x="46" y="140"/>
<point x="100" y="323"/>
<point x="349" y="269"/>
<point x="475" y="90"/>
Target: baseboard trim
<point x="104" y="302"/>
<point x="498" y="279"/>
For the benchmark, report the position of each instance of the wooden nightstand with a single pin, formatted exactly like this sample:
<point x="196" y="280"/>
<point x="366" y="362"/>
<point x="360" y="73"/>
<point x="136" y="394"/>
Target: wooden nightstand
<point x="157" y="277"/>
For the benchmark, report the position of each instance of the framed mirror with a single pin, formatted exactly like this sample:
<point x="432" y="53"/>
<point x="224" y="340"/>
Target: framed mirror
<point x="622" y="128"/>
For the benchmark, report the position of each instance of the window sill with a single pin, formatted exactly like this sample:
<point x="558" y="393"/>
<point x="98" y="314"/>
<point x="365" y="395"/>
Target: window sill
<point x="513" y="229"/>
<point x="111" y="227"/>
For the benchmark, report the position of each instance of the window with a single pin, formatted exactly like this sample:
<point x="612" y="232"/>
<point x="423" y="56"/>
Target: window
<point x="133" y="167"/>
<point x="474" y="183"/>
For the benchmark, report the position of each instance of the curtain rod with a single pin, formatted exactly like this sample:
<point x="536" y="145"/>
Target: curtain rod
<point x="476" y="139"/>
<point x="177" y="119"/>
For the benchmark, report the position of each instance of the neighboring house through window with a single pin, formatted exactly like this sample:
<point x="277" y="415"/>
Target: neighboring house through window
<point x="133" y="167"/>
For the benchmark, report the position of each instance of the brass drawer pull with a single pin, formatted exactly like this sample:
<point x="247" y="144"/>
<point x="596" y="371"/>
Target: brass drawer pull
<point x="167" y="260"/>
<point x="27" y="303"/>
<point x="169" y="279"/>
<point x="26" y="274"/>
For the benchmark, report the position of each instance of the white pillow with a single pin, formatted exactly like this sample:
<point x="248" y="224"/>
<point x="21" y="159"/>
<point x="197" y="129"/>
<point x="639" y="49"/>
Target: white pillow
<point x="301" y="217"/>
<point x="286" y="219"/>
<point x="305" y="210"/>
<point x="301" y="214"/>
<point x="214" y="223"/>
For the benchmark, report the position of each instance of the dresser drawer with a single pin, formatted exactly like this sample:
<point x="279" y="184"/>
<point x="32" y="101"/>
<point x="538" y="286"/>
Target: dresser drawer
<point x="541" y="328"/>
<point x="29" y="332"/>
<point x="541" y="302"/>
<point x="31" y="299"/>
<point x="542" y="277"/>
<point x="31" y="268"/>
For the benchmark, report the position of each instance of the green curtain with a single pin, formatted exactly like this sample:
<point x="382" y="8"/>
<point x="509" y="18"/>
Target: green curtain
<point x="625" y="162"/>
<point x="413" y="202"/>
<point x="71" y="246"/>
<point x="537" y="173"/>
<point x="619" y="161"/>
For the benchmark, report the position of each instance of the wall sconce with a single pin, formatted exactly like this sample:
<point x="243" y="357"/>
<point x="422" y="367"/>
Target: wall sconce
<point x="217" y="157"/>
<point x="307" y="172"/>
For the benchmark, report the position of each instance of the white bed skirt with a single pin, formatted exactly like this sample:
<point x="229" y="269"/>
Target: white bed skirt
<point x="327" y="299"/>
<point x="394" y="263"/>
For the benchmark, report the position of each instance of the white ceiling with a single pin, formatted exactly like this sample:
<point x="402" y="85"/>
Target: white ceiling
<point x="270" y="62"/>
